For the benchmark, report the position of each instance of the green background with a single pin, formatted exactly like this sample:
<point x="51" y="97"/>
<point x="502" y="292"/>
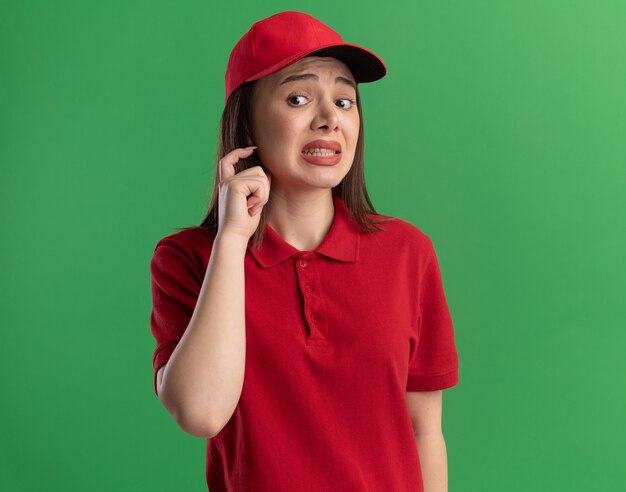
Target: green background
<point x="500" y="131"/>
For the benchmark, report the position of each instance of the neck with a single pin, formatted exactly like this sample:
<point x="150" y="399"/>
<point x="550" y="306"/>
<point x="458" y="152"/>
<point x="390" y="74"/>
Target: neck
<point x="302" y="220"/>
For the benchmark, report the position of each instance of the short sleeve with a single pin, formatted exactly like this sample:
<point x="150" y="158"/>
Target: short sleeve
<point x="433" y="365"/>
<point x="175" y="287"/>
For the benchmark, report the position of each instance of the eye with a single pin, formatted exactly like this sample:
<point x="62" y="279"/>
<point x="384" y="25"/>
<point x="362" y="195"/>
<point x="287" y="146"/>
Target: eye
<point x="296" y="96"/>
<point x="351" y="102"/>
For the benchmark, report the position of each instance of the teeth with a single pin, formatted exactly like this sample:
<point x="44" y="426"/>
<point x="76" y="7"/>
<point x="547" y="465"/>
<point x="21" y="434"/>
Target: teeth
<point x="320" y="152"/>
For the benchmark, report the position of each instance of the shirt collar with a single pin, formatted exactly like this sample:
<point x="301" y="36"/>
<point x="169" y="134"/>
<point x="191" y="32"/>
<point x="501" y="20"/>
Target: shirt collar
<point x="341" y="242"/>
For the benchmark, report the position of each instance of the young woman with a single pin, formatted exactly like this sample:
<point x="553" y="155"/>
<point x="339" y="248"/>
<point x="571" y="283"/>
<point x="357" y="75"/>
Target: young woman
<point x="304" y="336"/>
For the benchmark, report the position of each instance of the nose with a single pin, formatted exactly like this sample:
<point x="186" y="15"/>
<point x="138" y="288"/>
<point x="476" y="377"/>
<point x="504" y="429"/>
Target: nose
<point x="326" y="116"/>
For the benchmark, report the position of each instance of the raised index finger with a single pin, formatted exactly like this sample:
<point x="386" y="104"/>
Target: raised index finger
<point x="227" y="163"/>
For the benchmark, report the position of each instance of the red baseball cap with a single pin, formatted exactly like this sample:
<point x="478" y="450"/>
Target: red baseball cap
<point x="284" y="38"/>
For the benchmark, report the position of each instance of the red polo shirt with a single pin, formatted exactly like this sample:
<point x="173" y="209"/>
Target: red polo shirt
<point x="334" y="339"/>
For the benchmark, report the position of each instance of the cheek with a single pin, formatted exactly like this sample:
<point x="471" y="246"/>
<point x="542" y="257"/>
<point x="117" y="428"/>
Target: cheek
<point x="351" y="129"/>
<point x="276" y="138"/>
<point x="355" y="127"/>
<point x="277" y="127"/>
<point x="353" y="138"/>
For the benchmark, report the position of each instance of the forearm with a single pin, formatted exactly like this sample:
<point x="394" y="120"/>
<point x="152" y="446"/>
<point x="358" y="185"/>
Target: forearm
<point x="433" y="461"/>
<point x="203" y="379"/>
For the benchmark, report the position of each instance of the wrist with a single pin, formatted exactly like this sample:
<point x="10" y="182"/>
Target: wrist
<point x="231" y="242"/>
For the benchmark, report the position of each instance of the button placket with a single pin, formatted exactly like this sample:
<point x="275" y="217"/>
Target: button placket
<point x="308" y="280"/>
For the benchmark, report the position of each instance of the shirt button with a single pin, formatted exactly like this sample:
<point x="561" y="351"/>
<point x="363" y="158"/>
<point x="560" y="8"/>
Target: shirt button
<point x="303" y="263"/>
<point x="307" y="288"/>
<point x="313" y="318"/>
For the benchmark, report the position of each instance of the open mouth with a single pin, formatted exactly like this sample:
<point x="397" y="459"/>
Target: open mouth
<point x="322" y="147"/>
<point x="320" y="152"/>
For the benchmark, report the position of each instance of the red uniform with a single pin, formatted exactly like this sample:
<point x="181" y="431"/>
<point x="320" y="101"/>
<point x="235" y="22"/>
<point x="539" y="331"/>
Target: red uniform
<point x="334" y="339"/>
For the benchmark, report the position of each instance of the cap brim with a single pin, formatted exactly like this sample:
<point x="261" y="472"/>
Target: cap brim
<point x="364" y="64"/>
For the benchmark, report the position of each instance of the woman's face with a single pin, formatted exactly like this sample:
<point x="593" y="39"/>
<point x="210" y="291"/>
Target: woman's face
<point x="288" y="115"/>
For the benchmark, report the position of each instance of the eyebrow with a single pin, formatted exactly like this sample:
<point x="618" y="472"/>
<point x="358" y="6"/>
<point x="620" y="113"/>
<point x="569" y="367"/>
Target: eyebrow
<point x="312" y="76"/>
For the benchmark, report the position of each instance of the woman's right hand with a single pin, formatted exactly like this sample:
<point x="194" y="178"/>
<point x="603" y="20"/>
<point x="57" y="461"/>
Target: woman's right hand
<point x="241" y="195"/>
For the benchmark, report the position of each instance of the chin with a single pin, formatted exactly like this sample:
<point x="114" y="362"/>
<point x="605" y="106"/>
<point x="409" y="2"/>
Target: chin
<point x="328" y="181"/>
<point x="327" y="186"/>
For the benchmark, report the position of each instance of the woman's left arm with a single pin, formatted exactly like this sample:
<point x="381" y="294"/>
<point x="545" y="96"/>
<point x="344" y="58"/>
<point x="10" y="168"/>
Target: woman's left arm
<point x="425" y="411"/>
